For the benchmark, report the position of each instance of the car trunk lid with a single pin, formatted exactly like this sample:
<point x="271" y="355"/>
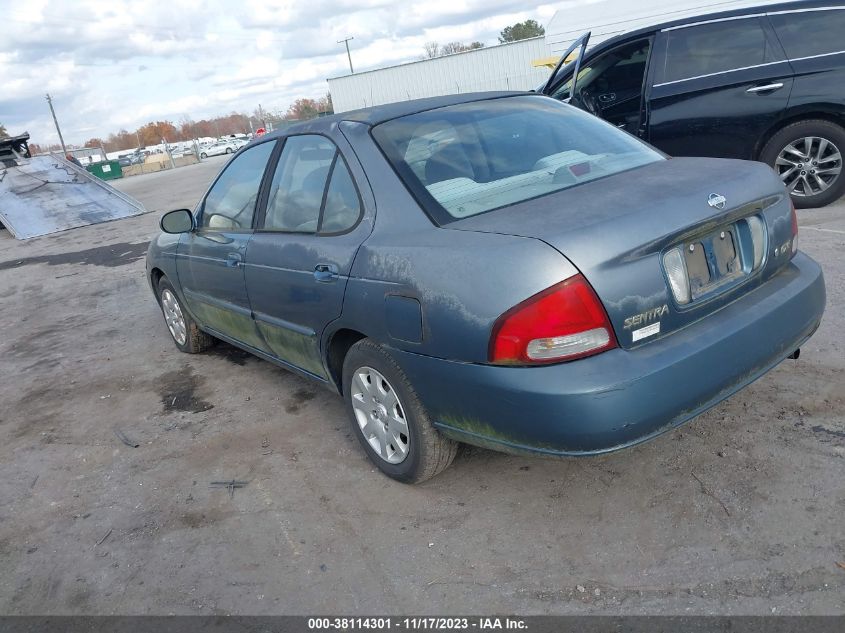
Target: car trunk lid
<point x="616" y="231"/>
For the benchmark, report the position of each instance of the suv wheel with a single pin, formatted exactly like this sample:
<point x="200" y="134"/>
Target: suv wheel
<point x="808" y="158"/>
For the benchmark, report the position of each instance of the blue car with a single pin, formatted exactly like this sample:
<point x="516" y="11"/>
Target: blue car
<point x="499" y="269"/>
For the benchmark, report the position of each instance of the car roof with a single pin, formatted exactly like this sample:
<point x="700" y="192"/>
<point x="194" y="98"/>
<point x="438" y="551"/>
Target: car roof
<point x="711" y="17"/>
<point x="381" y="113"/>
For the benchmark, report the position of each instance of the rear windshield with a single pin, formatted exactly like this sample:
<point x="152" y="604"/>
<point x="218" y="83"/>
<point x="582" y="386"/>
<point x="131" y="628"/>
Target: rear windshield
<point x="466" y="159"/>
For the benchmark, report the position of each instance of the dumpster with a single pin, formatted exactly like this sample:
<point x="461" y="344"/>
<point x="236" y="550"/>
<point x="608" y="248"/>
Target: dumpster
<point x="106" y="170"/>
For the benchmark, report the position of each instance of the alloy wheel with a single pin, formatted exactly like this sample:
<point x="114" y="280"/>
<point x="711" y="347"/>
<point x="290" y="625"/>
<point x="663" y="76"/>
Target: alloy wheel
<point x="380" y="415"/>
<point x="808" y="166"/>
<point x="173" y="317"/>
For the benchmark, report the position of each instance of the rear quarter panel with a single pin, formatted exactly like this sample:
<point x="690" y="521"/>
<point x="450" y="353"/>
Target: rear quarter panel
<point x="462" y="280"/>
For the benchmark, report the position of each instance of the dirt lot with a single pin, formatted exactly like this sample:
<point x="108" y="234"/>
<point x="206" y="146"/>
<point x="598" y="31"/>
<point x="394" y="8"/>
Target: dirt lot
<point x="739" y="512"/>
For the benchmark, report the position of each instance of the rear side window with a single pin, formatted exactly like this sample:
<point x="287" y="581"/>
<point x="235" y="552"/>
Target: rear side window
<point x="811" y="33"/>
<point x="342" y="207"/>
<point x="311" y="190"/>
<point x="716" y="48"/>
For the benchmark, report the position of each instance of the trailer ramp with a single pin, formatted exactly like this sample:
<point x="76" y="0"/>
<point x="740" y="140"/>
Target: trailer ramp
<point x="47" y="194"/>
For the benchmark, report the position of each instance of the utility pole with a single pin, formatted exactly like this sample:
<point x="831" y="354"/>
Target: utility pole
<point x="55" y="120"/>
<point x="346" y="41"/>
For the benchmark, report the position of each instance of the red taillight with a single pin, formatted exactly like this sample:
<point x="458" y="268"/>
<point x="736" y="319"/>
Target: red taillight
<point x="794" y="227"/>
<point x="564" y="322"/>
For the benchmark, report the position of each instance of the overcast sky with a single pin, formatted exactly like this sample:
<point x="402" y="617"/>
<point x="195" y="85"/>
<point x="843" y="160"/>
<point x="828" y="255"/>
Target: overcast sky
<point x="110" y="64"/>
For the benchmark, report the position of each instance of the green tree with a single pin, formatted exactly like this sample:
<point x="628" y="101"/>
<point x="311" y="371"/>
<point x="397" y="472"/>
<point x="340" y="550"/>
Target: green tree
<point x="3" y="133"/>
<point x="521" y="31"/>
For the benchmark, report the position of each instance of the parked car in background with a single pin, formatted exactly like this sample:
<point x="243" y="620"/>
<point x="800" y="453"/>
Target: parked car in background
<point x="131" y="159"/>
<point x="218" y="148"/>
<point x="762" y="83"/>
<point x="498" y="269"/>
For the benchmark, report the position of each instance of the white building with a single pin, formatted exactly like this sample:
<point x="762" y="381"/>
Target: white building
<point x="518" y="65"/>
<point x="504" y="67"/>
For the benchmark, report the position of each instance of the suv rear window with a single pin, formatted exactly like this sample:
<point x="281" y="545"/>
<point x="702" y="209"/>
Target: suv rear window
<point x="811" y="33"/>
<point x="470" y="158"/>
<point x="708" y="49"/>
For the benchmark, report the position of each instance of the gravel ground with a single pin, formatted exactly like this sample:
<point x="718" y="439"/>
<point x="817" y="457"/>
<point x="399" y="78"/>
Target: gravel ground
<point x="738" y="512"/>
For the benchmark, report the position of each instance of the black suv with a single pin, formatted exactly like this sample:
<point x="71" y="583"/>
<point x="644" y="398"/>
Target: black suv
<point x="765" y="83"/>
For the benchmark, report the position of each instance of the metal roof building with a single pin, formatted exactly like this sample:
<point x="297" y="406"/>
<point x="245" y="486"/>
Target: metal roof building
<point x="503" y="67"/>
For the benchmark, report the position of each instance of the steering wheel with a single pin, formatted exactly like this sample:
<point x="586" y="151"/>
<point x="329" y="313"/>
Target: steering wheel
<point x="589" y="102"/>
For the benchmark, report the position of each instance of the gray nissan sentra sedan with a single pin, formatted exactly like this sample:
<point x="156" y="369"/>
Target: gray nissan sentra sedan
<point x="498" y="269"/>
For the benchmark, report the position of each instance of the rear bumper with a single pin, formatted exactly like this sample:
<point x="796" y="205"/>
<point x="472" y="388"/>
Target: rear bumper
<point x="623" y="397"/>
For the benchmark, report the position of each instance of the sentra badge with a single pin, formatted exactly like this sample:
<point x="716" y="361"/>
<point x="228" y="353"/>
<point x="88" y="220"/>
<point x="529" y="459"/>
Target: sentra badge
<point x="644" y="318"/>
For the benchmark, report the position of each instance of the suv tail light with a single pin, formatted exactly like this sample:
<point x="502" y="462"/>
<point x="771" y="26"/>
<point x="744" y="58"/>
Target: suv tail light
<point x="564" y="322"/>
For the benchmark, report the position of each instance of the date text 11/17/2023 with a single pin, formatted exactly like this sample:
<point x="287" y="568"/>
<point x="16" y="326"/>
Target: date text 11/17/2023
<point x="416" y="623"/>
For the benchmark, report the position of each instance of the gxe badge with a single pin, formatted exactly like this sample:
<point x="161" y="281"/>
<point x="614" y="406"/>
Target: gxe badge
<point x="717" y="201"/>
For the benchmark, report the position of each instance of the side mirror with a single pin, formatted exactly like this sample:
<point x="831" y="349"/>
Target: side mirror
<point x="179" y="221"/>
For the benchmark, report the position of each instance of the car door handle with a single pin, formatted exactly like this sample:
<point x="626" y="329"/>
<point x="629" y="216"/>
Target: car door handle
<point x="233" y="260"/>
<point x="766" y="88"/>
<point x="325" y="273"/>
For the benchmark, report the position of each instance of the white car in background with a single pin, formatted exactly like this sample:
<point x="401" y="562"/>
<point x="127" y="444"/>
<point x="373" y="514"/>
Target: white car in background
<point x="218" y="148"/>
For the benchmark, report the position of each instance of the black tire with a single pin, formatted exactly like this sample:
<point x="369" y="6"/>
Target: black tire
<point x="228" y="150"/>
<point x="429" y="452"/>
<point x="196" y="340"/>
<point x="820" y="128"/>
<point x="203" y="155"/>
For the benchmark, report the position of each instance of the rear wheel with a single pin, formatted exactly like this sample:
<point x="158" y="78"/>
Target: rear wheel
<point x="808" y="158"/>
<point x="388" y="418"/>
<point x="203" y="155"/>
<point x="228" y="150"/>
<point x="183" y="329"/>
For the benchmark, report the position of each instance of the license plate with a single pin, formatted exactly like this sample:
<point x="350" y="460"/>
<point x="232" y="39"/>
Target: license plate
<point x="712" y="261"/>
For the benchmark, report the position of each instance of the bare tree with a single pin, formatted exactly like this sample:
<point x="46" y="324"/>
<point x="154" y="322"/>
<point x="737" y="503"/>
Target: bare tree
<point x="432" y="50"/>
<point x="459" y="47"/>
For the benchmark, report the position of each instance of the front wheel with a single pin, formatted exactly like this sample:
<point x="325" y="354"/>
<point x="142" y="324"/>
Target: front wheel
<point x="228" y="150"/>
<point x="808" y="158"/>
<point x="203" y="155"/>
<point x="184" y="331"/>
<point x="388" y="418"/>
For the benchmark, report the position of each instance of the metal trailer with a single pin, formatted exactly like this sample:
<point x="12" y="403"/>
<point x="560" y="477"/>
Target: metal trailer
<point x="46" y="194"/>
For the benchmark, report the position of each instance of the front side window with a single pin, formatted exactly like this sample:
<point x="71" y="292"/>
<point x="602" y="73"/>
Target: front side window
<point x="466" y="159"/>
<point x="715" y="48"/>
<point x="811" y="33"/>
<point x="230" y="204"/>
<point x="312" y="190"/>
<point x="620" y="70"/>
